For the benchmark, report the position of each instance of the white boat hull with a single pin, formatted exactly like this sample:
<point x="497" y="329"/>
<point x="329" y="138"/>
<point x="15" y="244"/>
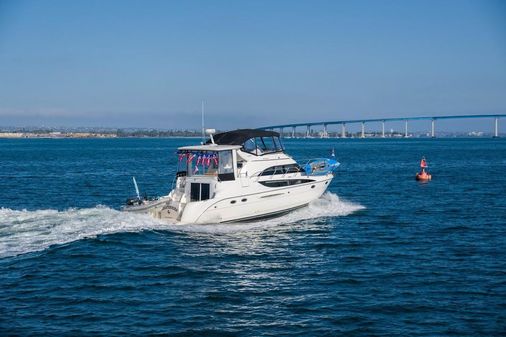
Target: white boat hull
<point x="240" y="207"/>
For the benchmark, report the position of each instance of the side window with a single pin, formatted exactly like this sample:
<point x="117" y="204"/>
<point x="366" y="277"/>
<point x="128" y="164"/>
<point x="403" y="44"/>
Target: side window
<point x="273" y="170"/>
<point x="281" y="183"/>
<point x="293" y="168"/>
<point x="226" y="167"/>
<point x="225" y="162"/>
<point x="269" y="172"/>
<point x="195" y="192"/>
<point x="204" y="191"/>
<point x="199" y="192"/>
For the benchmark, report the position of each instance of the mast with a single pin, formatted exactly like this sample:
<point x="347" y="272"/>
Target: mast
<point x="203" y="134"/>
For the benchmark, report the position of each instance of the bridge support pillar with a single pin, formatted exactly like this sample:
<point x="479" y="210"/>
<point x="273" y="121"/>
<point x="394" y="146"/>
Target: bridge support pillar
<point x="496" y="129"/>
<point x="308" y="131"/>
<point x="343" y="130"/>
<point x="281" y="132"/>
<point x="293" y="131"/>
<point x="363" y="130"/>
<point x="406" y="129"/>
<point x="383" y="129"/>
<point x="433" y="128"/>
<point x="325" y="133"/>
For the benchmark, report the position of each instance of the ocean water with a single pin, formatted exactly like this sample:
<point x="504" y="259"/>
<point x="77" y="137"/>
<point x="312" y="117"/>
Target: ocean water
<point x="380" y="254"/>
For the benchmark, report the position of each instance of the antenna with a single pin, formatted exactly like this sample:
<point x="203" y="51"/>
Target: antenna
<point x="136" y="189"/>
<point x="203" y="131"/>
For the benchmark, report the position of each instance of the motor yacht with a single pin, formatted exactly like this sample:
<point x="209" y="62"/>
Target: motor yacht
<point x="237" y="176"/>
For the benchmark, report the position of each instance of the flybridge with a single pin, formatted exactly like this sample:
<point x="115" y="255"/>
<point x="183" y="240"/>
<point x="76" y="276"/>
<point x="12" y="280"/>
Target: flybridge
<point x="343" y="123"/>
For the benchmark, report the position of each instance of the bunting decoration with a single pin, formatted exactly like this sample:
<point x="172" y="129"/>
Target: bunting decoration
<point x="206" y="159"/>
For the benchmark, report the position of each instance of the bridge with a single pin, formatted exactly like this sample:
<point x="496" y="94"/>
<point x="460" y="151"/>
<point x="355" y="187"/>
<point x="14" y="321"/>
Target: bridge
<point x="343" y="124"/>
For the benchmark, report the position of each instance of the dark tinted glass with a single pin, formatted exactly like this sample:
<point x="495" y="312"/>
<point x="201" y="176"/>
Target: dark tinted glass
<point x="292" y="168"/>
<point x="195" y="192"/>
<point x="281" y="183"/>
<point x="204" y="192"/>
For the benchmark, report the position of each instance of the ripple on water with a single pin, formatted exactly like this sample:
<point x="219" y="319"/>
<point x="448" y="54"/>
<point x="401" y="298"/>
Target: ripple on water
<point x="419" y="259"/>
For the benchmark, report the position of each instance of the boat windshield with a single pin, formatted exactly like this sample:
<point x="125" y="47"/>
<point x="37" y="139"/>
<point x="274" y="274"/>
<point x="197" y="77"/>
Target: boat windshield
<point x="263" y="145"/>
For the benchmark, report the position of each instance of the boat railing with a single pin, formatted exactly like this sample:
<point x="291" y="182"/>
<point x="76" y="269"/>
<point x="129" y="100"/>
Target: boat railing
<point x="282" y="173"/>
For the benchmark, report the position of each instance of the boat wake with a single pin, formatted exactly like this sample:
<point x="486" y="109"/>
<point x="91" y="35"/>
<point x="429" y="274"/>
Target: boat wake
<point x="29" y="231"/>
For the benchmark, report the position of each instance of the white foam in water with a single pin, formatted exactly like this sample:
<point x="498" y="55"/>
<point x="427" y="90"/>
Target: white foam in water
<point x="28" y="231"/>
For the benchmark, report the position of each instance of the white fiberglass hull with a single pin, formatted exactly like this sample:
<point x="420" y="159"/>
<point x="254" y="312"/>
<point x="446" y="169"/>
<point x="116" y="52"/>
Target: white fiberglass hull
<point x="249" y="205"/>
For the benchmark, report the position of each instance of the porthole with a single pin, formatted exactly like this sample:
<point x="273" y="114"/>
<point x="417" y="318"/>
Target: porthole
<point x="233" y="202"/>
<point x="312" y="186"/>
<point x="244" y="200"/>
<point x="326" y="183"/>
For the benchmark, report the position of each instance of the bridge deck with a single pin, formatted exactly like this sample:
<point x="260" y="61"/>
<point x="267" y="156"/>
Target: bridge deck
<point x="351" y="121"/>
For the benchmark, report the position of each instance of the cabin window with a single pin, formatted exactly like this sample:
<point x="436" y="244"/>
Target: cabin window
<point x="269" y="172"/>
<point x="200" y="163"/>
<point x="204" y="191"/>
<point x="225" y="162"/>
<point x="226" y="168"/>
<point x="199" y="192"/>
<point x="195" y="192"/>
<point x="292" y="168"/>
<point x="286" y="182"/>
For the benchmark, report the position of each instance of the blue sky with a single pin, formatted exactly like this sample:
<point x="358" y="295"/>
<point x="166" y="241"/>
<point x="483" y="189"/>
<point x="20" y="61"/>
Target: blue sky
<point x="150" y="63"/>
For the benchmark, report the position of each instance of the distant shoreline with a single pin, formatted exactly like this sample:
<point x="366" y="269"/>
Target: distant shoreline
<point x="109" y="133"/>
<point x="137" y="135"/>
<point x="80" y="135"/>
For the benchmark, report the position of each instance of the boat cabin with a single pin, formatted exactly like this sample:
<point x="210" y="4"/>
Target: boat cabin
<point x="221" y="160"/>
<point x="218" y="156"/>
<point x="207" y="160"/>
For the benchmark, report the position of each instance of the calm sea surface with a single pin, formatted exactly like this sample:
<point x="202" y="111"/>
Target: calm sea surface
<point x="379" y="255"/>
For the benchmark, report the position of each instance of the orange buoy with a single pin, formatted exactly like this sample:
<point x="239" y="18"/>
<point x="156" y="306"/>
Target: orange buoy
<point x="423" y="176"/>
